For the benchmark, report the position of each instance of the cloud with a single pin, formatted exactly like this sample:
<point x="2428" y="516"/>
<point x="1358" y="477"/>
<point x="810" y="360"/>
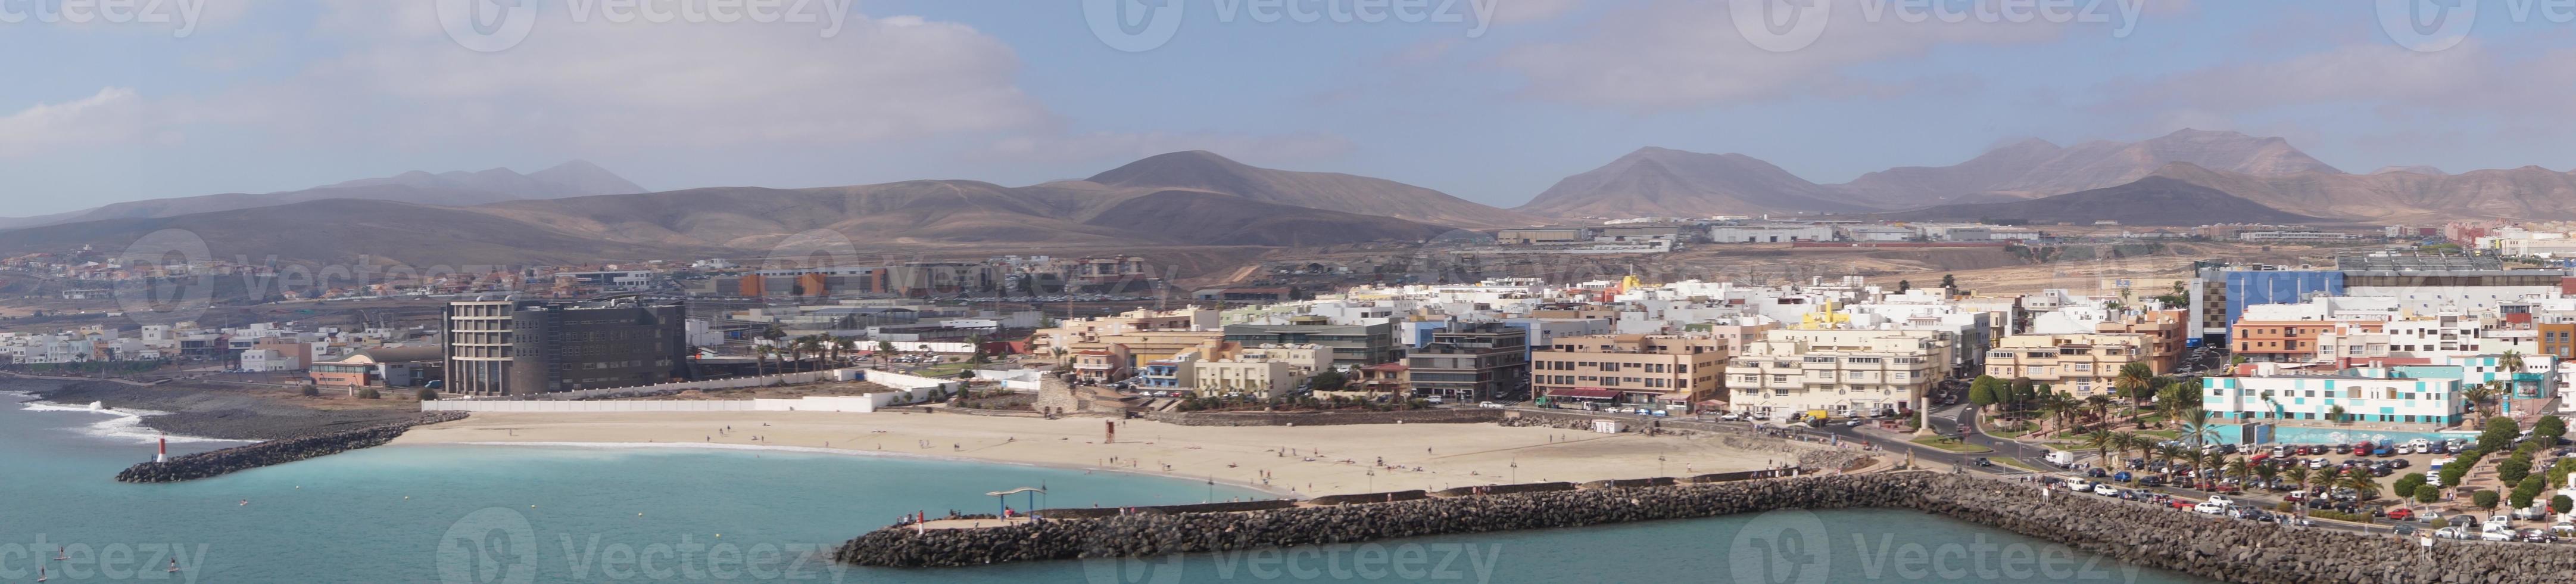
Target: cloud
<point x="1687" y="54"/>
<point x="115" y="115"/>
<point x="599" y="85"/>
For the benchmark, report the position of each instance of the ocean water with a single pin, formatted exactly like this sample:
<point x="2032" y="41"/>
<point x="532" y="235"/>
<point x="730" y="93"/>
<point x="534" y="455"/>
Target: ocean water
<point x="481" y="514"/>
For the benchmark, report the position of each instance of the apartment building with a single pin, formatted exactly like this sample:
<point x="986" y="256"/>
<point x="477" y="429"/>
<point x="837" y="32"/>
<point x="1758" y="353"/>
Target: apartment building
<point x="2427" y="396"/>
<point x="1844" y="373"/>
<point x="1630" y="369"/>
<point x="2079" y="364"/>
<point x="1259" y="373"/>
<point x="1351" y="345"/>
<point x="2289" y="341"/>
<point x="1471" y="362"/>
<point x="518" y="347"/>
<point x="2167" y="333"/>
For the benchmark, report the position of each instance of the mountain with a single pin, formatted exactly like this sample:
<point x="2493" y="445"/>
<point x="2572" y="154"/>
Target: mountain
<point x="1662" y="182"/>
<point x="1657" y="181"/>
<point x="574" y="178"/>
<point x="570" y="179"/>
<point x="338" y="231"/>
<point x="1206" y="171"/>
<point x="2528" y="193"/>
<point x="2154" y="200"/>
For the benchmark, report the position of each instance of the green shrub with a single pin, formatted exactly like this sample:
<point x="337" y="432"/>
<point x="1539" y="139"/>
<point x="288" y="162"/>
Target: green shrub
<point x="369" y="393"/>
<point x="2485" y="499"/>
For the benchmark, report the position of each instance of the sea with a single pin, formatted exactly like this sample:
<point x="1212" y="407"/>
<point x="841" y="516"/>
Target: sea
<point x="522" y="514"/>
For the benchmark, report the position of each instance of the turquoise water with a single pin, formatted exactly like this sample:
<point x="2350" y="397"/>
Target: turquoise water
<point x="536" y="514"/>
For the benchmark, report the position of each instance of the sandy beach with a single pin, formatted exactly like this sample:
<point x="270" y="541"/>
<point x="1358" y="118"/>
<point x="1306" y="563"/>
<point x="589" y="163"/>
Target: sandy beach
<point x="1291" y="461"/>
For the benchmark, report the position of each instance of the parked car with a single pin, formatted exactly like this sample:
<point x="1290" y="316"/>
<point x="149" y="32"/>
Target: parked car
<point x="2401" y="514"/>
<point x="2209" y="508"/>
<point x="2221" y="499"/>
<point x="2493" y="535"/>
<point x="2453" y="533"/>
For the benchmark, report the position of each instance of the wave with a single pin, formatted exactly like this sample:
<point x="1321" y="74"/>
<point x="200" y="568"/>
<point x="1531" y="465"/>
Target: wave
<point x="124" y="425"/>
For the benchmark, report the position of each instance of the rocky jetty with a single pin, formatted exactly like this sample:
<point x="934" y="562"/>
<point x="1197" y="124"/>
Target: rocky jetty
<point x="2201" y="545"/>
<point x="275" y="452"/>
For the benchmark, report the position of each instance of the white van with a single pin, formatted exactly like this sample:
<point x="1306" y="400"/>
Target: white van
<point x="2061" y="458"/>
<point x="2533" y="513"/>
<point x="2209" y="508"/>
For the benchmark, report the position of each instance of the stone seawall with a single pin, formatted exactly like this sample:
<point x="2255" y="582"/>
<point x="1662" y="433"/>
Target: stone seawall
<point x="2201" y="545"/>
<point x="275" y="452"/>
<point x="1434" y="416"/>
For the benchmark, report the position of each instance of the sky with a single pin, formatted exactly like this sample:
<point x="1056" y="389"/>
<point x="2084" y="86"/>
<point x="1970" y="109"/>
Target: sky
<point x="1490" y="100"/>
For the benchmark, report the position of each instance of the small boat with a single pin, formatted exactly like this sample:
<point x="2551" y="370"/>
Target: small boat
<point x="59" y="554"/>
<point x="40" y="574"/>
<point x="97" y="406"/>
<point x="174" y="565"/>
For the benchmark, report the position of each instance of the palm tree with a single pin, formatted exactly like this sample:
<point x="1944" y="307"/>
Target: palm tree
<point x="2126" y="442"/>
<point x="2100" y="405"/>
<point x="2324" y="477"/>
<point x="2334" y="413"/>
<point x="2271" y="407"/>
<point x="2197" y="431"/>
<point x="2267" y="471"/>
<point x="2239" y="468"/>
<point x="2101" y="442"/>
<point x="2175" y="455"/>
<point x="2480" y="396"/>
<point x="2511" y="361"/>
<point x="761" y="353"/>
<point x="2361" y="483"/>
<point x="2298" y="474"/>
<point x="2134" y="380"/>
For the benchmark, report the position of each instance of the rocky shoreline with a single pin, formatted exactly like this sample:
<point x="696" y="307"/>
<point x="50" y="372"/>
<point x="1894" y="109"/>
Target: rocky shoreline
<point x="2190" y="543"/>
<point x="230" y="460"/>
<point x="218" y="412"/>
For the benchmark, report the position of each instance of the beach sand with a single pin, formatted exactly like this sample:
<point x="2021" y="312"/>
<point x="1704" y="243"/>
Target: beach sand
<point x="1325" y="460"/>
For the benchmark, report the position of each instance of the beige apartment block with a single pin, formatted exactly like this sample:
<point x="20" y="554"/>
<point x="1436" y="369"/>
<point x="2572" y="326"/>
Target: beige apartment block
<point x="1630" y="369"/>
<point x="1841" y="374"/>
<point x="2078" y="364"/>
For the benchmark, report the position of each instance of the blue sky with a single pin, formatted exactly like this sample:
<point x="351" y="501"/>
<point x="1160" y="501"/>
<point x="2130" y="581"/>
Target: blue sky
<point x="286" y="94"/>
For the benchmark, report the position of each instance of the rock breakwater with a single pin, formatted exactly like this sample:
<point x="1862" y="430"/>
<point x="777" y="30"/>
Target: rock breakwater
<point x="275" y="452"/>
<point x="2201" y="545"/>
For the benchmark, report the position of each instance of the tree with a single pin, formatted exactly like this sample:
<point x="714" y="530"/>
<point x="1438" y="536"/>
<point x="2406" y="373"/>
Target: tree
<point x="427" y="394"/>
<point x="2484" y="499"/>
<point x="2363" y="484"/>
<point x="2562" y="505"/>
<point x="2334" y="413"/>
<point x="2513" y="470"/>
<point x="1329" y="379"/>
<point x="2551" y="426"/>
<point x="2499" y="434"/>
<point x="1903" y="286"/>
<point x="2134" y="380"/>
<point x="2525" y="493"/>
<point x="1950" y="283"/>
<point x="2427" y="494"/>
<point x="2406" y="484"/>
<point x="311" y="391"/>
<point x="2481" y="395"/>
<point x="1984" y="391"/>
<point x="773" y="332"/>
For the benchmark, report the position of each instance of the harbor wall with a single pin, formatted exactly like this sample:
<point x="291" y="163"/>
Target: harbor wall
<point x="216" y="463"/>
<point x="1434" y="416"/>
<point x="2201" y="545"/>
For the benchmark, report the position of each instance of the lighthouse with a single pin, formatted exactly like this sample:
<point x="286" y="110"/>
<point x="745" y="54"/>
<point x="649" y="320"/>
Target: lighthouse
<point x="164" y="455"/>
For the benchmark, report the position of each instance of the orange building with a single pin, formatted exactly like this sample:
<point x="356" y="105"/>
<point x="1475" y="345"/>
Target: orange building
<point x="2290" y="341"/>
